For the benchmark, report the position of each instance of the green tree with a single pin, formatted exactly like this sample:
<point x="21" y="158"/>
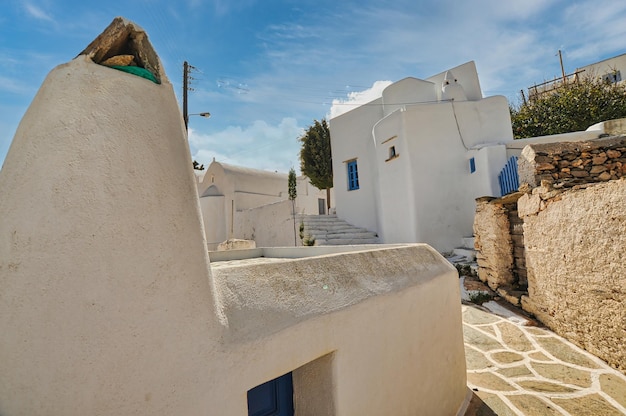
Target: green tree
<point x="571" y="107"/>
<point x="316" y="160"/>
<point x="292" y="185"/>
<point x="293" y="193"/>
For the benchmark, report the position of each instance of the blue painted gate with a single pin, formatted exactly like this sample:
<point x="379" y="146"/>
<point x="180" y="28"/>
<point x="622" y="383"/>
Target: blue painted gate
<point x="508" y="177"/>
<point x="274" y="398"/>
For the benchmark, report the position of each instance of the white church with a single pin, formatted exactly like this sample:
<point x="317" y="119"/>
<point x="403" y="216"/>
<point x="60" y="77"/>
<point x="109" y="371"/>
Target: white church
<point x="410" y="164"/>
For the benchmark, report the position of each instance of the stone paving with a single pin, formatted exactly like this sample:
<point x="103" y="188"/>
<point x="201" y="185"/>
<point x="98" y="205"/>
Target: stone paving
<point x="518" y="368"/>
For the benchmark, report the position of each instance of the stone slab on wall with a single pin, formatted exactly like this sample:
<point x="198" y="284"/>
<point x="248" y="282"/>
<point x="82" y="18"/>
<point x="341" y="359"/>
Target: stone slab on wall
<point x="573" y="163"/>
<point x="575" y="242"/>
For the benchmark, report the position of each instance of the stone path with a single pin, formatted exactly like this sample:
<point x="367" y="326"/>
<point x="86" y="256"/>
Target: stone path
<point x="519" y="369"/>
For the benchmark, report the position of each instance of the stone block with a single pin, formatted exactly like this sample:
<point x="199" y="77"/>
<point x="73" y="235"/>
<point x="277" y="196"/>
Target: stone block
<point x="528" y="204"/>
<point x="236" y="244"/>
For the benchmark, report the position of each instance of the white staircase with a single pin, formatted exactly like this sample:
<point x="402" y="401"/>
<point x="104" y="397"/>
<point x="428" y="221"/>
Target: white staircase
<point x="328" y="230"/>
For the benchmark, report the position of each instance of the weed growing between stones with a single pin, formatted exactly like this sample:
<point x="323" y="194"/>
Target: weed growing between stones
<point x="479" y="298"/>
<point x="465" y="270"/>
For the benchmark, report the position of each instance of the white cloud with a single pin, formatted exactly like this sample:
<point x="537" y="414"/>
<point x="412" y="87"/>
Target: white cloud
<point x="12" y="85"/>
<point x="37" y="12"/>
<point x="600" y="30"/>
<point x="357" y="98"/>
<point x="259" y="145"/>
<point x="224" y="7"/>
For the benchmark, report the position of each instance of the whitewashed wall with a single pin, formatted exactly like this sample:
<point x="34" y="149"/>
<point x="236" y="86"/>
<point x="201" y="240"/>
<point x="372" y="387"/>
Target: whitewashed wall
<point x="269" y="225"/>
<point x="227" y="191"/>
<point x="351" y="138"/>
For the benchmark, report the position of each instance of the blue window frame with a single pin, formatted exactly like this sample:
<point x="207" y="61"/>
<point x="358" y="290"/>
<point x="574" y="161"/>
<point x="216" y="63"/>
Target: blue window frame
<point x="274" y="398"/>
<point x="472" y="165"/>
<point x="353" y="176"/>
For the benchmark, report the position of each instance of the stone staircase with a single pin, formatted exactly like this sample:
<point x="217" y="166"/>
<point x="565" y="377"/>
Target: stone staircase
<point x="328" y="230"/>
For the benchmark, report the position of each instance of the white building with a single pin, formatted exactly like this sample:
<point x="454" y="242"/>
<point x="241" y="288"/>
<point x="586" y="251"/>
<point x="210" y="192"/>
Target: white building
<point x="611" y="70"/>
<point x="230" y="197"/>
<point x="410" y="164"/>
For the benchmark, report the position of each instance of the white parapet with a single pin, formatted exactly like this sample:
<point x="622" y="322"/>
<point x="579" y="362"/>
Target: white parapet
<point x="380" y="323"/>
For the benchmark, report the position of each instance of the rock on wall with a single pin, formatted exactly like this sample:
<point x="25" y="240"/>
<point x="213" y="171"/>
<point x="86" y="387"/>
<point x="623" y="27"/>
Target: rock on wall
<point x="575" y="244"/>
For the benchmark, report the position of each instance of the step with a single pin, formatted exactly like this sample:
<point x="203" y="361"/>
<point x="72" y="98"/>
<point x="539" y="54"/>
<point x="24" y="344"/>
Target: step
<point x="344" y="236"/>
<point x="318" y="219"/>
<point x="346" y="242"/>
<point x="330" y="230"/>
<point x="470" y="254"/>
<point x="333" y="227"/>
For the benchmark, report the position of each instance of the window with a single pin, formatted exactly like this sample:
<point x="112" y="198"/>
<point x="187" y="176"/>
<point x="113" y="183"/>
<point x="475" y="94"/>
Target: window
<point x="613" y="77"/>
<point x="274" y="398"/>
<point x="392" y="153"/>
<point x="472" y="162"/>
<point x="353" y="176"/>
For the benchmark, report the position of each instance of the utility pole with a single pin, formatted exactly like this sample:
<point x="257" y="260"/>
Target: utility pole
<point x="186" y="78"/>
<point x="562" y="68"/>
<point x="185" y="75"/>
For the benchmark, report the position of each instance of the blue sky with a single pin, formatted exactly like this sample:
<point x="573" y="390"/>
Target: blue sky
<point x="267" y="68"/>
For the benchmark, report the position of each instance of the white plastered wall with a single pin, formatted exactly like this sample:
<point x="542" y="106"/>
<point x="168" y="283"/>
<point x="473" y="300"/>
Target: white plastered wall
<point x="351" y="138"/>
<point x="269" y="225"/>
<point x="467" y="76"/>
<point x="107" y="299"/>
<point x="232" y="198"/>
<point x="435" y="204"/>
<point x="396" y="199"/>
<point x="383" y="344"/>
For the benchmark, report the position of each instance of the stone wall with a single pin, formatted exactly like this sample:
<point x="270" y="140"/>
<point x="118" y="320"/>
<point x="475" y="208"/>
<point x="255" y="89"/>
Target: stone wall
<point x="557" y="246"/>
<point x="493" y="244"/>
<point x="575" y="242"/>
<point x="573" y="163"/>
<point x="519" y="251"/>
<point x="499" y="244"/>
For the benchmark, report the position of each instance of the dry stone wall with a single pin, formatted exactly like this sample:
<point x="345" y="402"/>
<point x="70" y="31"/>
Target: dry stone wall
<point x="572" y="251"/>
<point x="573" y="163"/>
<point x="519" y="252"/>
<point x="499" y="244"/>
<point x="493" y="244"/>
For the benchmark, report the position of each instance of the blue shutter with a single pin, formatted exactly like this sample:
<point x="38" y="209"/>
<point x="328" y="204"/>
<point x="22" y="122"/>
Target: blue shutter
<point x="274" y="398"/>
<point x="353" y="176"/>
<point x="508" y="177"/>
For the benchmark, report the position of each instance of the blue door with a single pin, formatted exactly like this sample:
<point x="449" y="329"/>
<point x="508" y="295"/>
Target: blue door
<point x="274" y="398"/>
